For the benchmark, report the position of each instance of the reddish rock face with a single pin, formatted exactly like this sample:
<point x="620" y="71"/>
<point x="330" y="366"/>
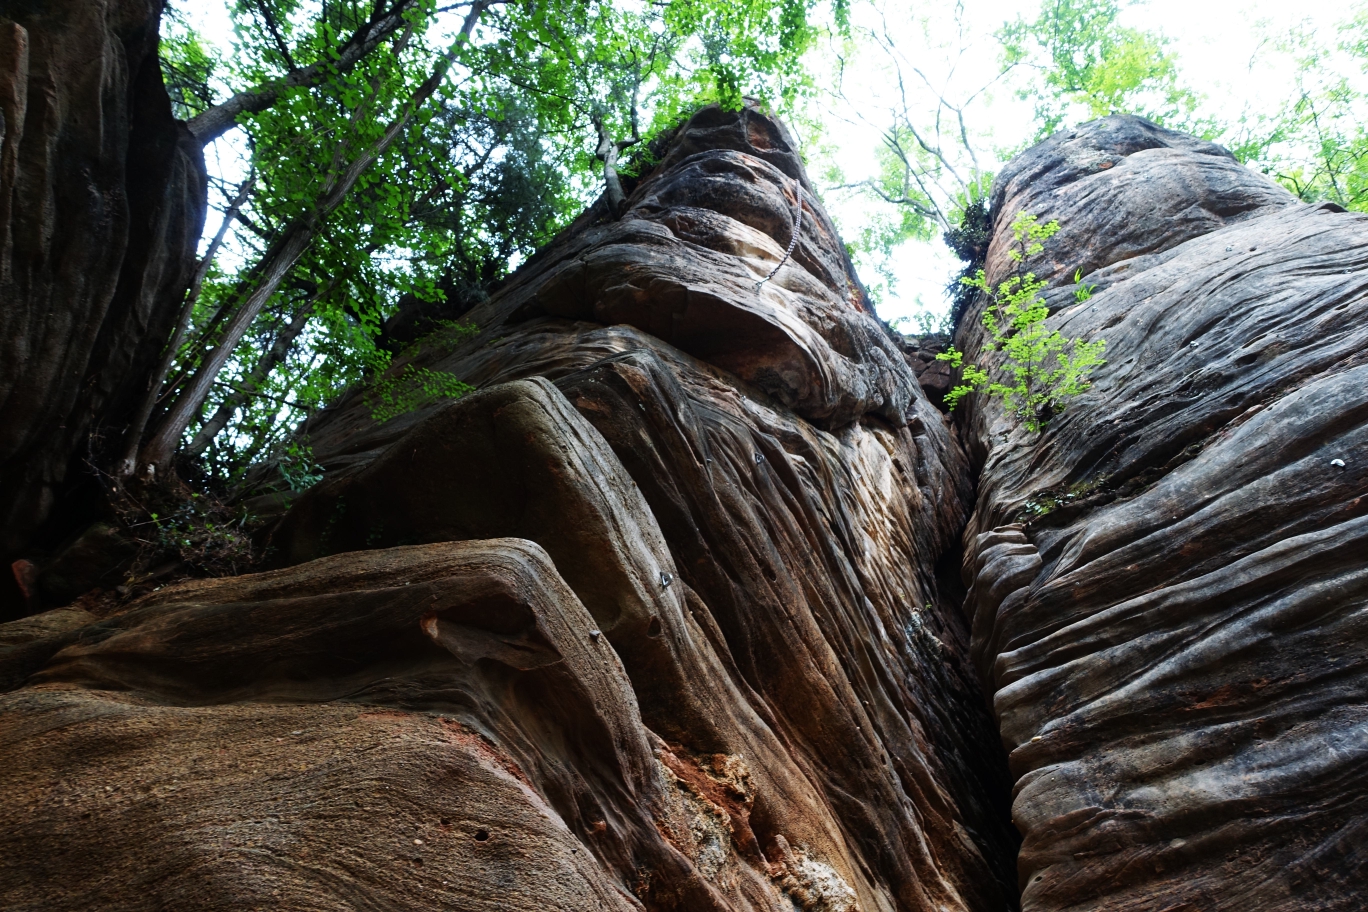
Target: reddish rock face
<point x="653" y="620"/>
<point x="1168" y="586"/>
<point x="665" y="615"/>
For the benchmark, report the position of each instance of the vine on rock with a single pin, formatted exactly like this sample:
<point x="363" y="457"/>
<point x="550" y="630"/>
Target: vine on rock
<point x="1040" y="368"/>
<point x="413" y="386"/>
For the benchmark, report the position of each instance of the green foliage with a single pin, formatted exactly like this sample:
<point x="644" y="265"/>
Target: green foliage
<point x="202" y="533"/>
<point x="927" y="197"/>
<point x="1040" y="368"/>
<point x="1060" y="497"/>
<point x="923" y="322"/>
<point x="497" y="162"/>
<point x="444" y="335"/>
<point x="1090" y="66"/>
<point x="1073" y="60"/>
<point x="969" y="240"/>
<point x="413" y="386"/>
<point x="641" y="68"/>
<point x="875" y="247"/>
<point x="1317" y="145"/>
<point x="1084" y="291"/>
<point x="297" y="466"/>
<point x="187" y="65"/>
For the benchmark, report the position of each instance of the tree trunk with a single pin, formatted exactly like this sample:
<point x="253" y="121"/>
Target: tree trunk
<point x="272" y="270"/>
<point x="258" y="377"/>
<point x="608" y="152"/>
<point x="276" y="264"/>
<point x="133" y="436"/>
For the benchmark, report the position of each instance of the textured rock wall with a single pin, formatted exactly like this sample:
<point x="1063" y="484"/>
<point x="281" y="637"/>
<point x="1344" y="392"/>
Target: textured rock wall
<point x="1168" y="588"/>
<point x="664" y="617"/>
<point x="101" y="206"/>
<point x="667" y="615"/>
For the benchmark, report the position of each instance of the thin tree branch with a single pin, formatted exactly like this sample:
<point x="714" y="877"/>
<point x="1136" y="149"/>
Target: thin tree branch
<point x="133" y="436"/>
<point x="213" y="123"/>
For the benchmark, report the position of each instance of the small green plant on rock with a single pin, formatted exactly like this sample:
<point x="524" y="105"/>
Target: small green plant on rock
<point x="201" y="536"/>
<point x="414" y="386"/>
<point x="1040" y="368"/>
<point x="298" y="468"/>
<point x="442" y="335"/>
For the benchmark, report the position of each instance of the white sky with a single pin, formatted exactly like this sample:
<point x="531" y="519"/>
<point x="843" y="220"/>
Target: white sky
<point x="1215" y="42"/>
<point x="1222" y="54"/>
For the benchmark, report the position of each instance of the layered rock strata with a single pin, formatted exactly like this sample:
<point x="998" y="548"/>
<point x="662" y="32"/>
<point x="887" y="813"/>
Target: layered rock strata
<point x="667" y="614"/>
<point x="663" y="617"/>
<point x="1169" y="587"/>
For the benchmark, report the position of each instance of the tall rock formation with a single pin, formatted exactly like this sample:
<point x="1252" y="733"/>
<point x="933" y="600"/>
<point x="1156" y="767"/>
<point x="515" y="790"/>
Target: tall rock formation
<point x="1169" y="588"/>
<point x="665" y="616"/>
<point x="102" y="197"/>
<point x="669" y="614"/>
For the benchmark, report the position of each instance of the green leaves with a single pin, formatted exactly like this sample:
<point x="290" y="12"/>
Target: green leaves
<point x="1317" y="146"/>
<point x="1084" y="291"/>
<point x="1090" y="66"/>
<point x="188" y="66"/>
<point x="486" y="173"/>
<point x="414" y="386"/>
<point x="1039" y="368"/>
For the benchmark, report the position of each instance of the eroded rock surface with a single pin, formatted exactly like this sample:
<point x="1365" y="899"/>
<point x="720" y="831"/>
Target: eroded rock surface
<point x="102" y="200"/>
<point x="1169" y="586"/>
<point x="664" y="617"/>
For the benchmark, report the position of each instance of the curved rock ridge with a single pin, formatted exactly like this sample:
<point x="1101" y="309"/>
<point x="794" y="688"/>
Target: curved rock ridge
<point x="663" y="617"/>
<point x="682" y="264"/>
<point x="1169" y="587"/>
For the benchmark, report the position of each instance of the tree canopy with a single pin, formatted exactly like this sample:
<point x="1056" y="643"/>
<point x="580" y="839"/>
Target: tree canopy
<point x="961" y="94"/>
<point x="366" y="153"/>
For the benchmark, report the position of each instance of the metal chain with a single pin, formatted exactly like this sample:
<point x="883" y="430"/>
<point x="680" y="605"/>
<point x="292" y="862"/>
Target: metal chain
<point x="793" y="242"/>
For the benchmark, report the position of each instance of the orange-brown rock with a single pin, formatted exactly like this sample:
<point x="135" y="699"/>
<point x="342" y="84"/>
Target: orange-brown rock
<point x="663" y="617"/>
<point x="671" y="613"/>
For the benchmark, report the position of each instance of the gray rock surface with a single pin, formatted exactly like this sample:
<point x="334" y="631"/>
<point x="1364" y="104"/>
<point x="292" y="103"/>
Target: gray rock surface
<point x="1169" y="585"/>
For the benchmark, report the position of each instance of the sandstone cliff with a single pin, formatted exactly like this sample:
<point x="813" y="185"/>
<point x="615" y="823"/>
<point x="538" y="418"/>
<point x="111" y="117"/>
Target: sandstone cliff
<point x="1169" y="587"/>
<point x="102" y="199"/>
<point x="670" y="614"/>
<point x="652" y="620"/>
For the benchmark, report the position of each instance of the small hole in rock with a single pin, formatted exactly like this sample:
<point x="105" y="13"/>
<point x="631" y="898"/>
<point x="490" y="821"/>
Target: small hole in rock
<point x="482" y="835"/>
<point x="653" y="629"/>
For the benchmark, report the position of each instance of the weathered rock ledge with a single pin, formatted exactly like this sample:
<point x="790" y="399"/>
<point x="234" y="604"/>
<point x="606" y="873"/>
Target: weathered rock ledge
<point x="653" y="620"/>
<point x="1168" y="588"/>
<point x="666" y="616"/>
